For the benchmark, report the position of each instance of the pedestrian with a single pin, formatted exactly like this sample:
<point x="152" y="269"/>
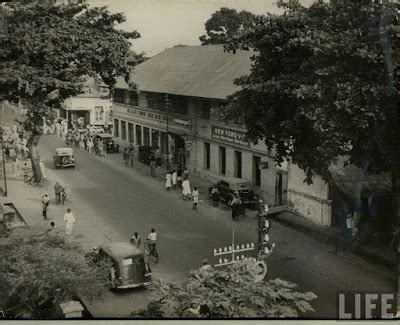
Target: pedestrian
<point x="136" y="240"/>
<point x="195" y="196"/>
<point x="90" y="145"/>
<point x="16" y="167"/>
<point x="186" y="188"/>
<point x="57" y="192"/>
<point x="185" y="173"/>
<point x="157" y="155"/>
<point x="215" y="195"/>
<point x="174" y="179"/>
<point x="131" y="155"/>
<point x="45" y="205"/>
<point x="42" y="169"/>
<point x="131" y="147"/>
<point x="82" y="143"/>
<point x="105" y="149"/>
<point x="168" y="181"/>
<point x="69" y="222"/>
<point x="179" y="176"/>
<point x="236" y="205"/>
<point x="125" y="156"/>
<point x="205" y="267"/>
<point x="52" y="228"/>
<point x="153" y="167"/>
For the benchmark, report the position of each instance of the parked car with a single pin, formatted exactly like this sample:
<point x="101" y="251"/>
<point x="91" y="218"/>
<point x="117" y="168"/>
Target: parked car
<point x="144" y="154"/>
<point x="64" y="157"/>
<point x="228" y="186"/>
<point x="107" y="138"/>
<point x="128" y="265"/>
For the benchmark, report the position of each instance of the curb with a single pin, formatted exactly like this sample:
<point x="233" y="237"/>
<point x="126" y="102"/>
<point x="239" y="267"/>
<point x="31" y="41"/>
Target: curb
<point x="329" y="238"/>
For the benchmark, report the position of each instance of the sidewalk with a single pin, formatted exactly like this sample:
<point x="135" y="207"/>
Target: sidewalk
<point x="328" y="235"/>
<point x="27" y="199"/>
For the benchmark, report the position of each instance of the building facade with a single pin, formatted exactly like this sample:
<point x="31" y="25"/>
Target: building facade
<point x="92" y="107"/>
<point x="182" y="93"/>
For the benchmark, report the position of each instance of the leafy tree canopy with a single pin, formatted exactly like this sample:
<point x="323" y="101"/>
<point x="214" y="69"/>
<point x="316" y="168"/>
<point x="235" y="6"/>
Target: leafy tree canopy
<point x="39" y="270"/>
<point x="229" y="293"/>
<point x="322" y="85"/>
<point x="223" y="24"/>
<point x="49" y="48"/>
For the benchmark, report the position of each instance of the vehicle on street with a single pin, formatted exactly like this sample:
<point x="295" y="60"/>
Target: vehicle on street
<point x="151" y="250"/>
<point x="107" y="138"/>
<point x="129" y="269"/>
<point x="145" y="152"/>
<point x="64" y="157"/>
<point x="228" y="186"/>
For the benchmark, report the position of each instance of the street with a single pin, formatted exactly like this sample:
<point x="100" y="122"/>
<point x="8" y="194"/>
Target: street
<point x="117" y="201"/>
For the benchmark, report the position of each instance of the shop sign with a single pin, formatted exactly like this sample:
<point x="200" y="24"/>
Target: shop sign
<point x="229" y="135"/>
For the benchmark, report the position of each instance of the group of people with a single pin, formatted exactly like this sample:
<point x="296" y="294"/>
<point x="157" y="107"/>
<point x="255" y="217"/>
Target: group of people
<point x="152" y="242"/>
<point x="15" y="144"/>
<point x="84" y="140"/>
<point x="180" y="178"/>
<point x="69" y="217"/>
<point x="129" y="155"/>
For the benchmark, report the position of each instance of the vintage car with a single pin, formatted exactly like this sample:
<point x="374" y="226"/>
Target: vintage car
<point x="107" y="138"/>
<point x="128" y="265"/>
<point x="64" y="157"/>
<point x="228" y="186"/>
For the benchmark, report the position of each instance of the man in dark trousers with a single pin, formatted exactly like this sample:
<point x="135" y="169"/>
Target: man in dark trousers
<point x="57" y="192"/>
<point x="153" y="165"/>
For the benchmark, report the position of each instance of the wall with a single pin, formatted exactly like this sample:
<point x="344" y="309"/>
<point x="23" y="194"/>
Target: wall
<point x="309" y="201"/>
<point x="88" y="104"/>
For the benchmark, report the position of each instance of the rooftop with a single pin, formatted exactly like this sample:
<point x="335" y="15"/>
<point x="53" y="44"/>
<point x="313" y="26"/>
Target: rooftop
<point x="196" y="71"/>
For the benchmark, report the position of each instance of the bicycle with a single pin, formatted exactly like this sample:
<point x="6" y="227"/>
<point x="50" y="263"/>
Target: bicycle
<point x="151" y="250"/>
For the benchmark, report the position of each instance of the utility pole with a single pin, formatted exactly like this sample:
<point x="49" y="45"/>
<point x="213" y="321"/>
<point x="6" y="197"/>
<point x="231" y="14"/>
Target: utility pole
<point x="167" y="105"/>
<point x="232" y="250"/>
<point x="2" y="147"/>
<point x="263" y="228"/>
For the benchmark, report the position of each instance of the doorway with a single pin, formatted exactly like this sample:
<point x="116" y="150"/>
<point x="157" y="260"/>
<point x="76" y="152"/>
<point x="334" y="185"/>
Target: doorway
<point x="280" y="188"/>
<point x="256" y="171"/>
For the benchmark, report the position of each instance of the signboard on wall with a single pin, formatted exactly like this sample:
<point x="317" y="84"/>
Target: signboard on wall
<point x="229" y="135"/>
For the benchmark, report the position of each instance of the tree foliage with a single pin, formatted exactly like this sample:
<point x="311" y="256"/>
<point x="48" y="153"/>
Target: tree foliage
<point x="322" y="85"/>
<point x="227" y="293"/>
<point x="225" y="23"/>
<point x="40" y="269"/>
<point x="50" y="48"/>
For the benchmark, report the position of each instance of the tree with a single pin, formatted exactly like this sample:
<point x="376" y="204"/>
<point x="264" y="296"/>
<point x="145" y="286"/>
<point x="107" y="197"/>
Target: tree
<point x="323" y="85"/>
<point x="40" y="270"/>
<point x="223" y="24"/>
<point x="48" y="50"/>
<point x="226" y="293"/>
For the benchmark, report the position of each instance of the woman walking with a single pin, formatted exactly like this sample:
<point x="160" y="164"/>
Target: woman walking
<point x="174" y="179"/>
<point x="168" y="181"/>
<point x="186" y="188"/>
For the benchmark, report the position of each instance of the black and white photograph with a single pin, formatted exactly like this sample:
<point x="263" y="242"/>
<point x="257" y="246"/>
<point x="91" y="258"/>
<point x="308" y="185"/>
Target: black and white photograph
<point x="199" y="159"/>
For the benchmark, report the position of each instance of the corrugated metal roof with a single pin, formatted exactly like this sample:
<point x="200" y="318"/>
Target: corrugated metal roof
<point x="196" y="71"/>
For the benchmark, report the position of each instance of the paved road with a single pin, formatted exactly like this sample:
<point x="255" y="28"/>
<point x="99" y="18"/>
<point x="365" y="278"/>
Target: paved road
<point x="122" y="201"/>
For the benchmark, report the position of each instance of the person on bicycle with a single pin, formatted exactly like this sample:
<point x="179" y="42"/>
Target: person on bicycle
<point x="152" y="237"/>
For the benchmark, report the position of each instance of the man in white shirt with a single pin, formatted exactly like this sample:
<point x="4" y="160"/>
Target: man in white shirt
<point x="153" y="239"/>
<point x="69" y="222"/>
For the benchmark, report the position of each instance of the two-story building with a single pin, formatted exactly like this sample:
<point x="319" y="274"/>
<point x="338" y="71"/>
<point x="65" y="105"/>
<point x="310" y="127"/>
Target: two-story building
<point x="196" y="81"/>
<point x="92" y="107"/>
